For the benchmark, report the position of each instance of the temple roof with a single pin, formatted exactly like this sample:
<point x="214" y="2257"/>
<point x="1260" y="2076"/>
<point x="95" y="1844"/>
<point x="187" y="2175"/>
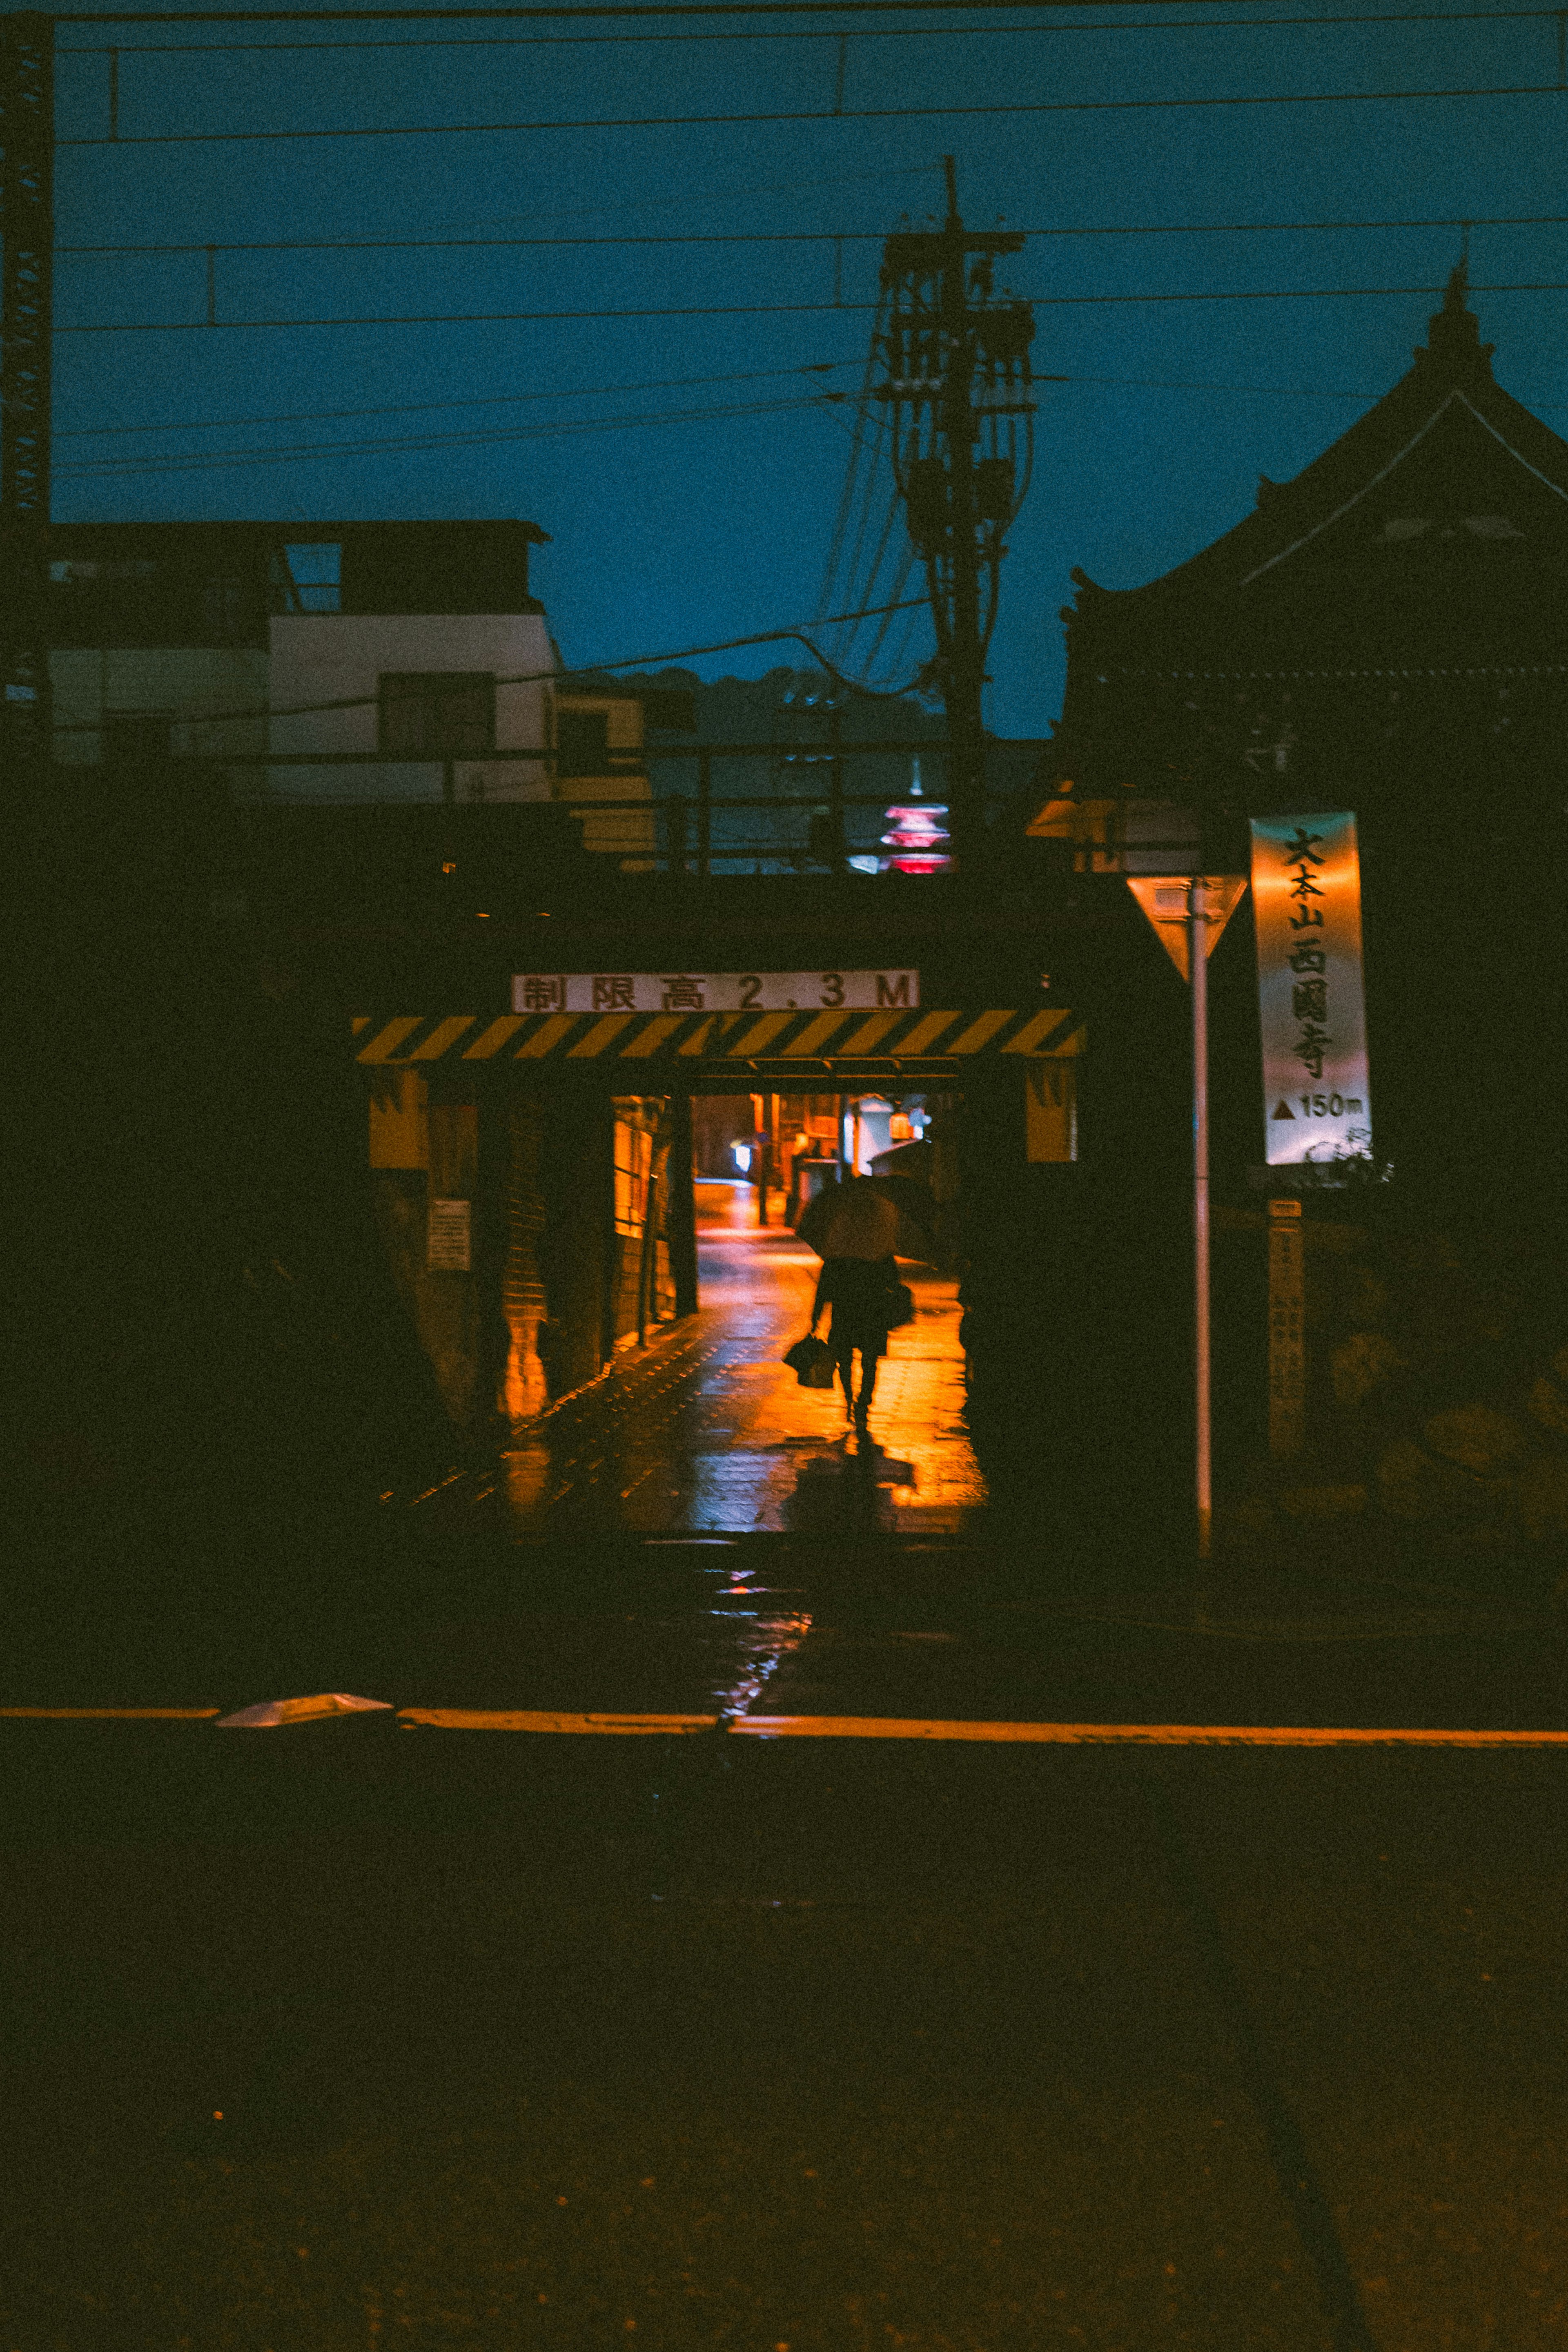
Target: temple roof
<point x="1444" y="457"/>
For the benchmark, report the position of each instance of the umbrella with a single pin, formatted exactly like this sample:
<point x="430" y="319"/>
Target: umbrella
<point x="901" y="1229"/>
<point x="916" y="1206"/>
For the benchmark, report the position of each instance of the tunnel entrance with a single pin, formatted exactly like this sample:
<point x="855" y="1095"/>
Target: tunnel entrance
<point x="595" y="1223"/>
<point x="695" y="1424"/>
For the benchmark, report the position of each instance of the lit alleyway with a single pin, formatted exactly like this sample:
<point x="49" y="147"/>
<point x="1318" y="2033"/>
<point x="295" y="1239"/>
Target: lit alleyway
<point x="708" y="1429"/>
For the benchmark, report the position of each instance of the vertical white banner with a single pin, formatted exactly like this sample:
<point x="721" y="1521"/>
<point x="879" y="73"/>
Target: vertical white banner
<point x="1306" y="905"/>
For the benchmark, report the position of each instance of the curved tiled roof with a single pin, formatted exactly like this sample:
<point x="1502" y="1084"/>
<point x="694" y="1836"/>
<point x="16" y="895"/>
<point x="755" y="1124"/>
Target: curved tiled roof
<point x="1446" y="428"/>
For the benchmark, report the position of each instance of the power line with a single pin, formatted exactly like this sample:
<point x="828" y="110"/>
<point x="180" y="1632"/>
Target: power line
<point x="824" y="114"/>
<point x="642" y="8"/>
<point x="823" y="32"/>
<point x="809" y="237"/>
<point x="422" y="407"/>
<point x="795" y="309"/>
<point x="420" y="445"/>
<point x="522" y="677"/>
<point x="202" y="461"/>
<point x="479" y="318"/>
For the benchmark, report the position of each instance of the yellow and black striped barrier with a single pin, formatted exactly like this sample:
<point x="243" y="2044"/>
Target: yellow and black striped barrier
<point x="938" y="1044"/>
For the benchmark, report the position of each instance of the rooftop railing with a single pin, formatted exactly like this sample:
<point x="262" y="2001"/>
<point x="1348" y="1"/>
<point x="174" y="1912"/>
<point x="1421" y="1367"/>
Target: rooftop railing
<point x="685" y="826"/>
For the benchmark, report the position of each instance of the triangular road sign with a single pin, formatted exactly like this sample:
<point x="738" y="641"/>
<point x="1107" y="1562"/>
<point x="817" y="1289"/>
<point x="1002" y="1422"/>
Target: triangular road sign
<point x="1164" y="898"/>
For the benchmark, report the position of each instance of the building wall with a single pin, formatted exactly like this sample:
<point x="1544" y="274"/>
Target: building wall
<point x="88" y="683"/>
<point x="323" y="658"/>
<point x="625" y="834"/>
<point x="420" y="1151"/>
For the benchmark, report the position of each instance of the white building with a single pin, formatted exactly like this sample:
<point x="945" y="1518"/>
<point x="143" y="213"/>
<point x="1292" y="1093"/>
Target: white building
<point x="335" y="663"/>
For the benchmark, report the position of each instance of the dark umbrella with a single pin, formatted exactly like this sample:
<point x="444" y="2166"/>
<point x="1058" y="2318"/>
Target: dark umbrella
<point x="916" y="1206"/>
<point x="817" y="1215"/>
<point x="912" y="1199"/>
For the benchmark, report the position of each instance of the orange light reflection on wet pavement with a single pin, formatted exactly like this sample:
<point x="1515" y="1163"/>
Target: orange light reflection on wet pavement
<point x="707" y="1430"/>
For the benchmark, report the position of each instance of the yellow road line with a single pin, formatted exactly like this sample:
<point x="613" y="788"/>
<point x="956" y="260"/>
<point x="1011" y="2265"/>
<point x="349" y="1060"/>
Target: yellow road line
<point x="874" y="1726"/>
<point x="1145" y="1735"/>
<point x="112" y="1713"/>
<point x="478" y="1719"/>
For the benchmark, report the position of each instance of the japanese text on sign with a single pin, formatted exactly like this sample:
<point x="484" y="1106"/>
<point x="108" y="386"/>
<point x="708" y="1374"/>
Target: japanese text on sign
<point x="1306" y="893"/>
<point x="448" y="1247"/>
<point x="711" y="992"/>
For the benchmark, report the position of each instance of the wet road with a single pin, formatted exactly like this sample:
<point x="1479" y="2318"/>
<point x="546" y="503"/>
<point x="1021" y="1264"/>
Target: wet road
<point x="349" y="2036"/>
<point x="371" y="2032"/>
<point x="708" y="1429"/>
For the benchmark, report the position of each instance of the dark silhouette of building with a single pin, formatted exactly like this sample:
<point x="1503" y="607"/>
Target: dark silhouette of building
<point x="1385" y="627"/>
<point x="1385" y="634"/>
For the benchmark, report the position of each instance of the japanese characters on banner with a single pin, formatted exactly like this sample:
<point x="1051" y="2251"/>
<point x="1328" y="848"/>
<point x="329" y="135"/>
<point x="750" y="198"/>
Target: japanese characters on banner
<point x="1306" y="902"/>
<point x="449" y="1242"/>
<point x="713" y="992"/>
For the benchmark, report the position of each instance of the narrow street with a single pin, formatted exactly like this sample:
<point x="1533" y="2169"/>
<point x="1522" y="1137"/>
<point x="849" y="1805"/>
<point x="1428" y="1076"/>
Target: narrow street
<point x="764" y="1908"/>
<point x="331" y="2038"/>
<point x="710" y="1431"/>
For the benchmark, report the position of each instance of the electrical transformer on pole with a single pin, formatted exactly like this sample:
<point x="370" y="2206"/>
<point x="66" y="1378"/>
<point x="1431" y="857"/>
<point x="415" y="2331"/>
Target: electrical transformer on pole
<point x="956" y="379"/>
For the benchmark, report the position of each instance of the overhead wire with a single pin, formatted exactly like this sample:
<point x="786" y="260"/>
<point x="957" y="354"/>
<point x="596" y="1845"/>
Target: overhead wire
<point x="872" y="473"/>
<point x="846" y="496"/>
<point x="898" y="656"/>
<point x="785" y="310"/>
<point x="997" y="109"/>
<point x="214" y="460"/>
<point x="521" y="677"/>
<point x="631" y="10"/>
<point x="809" y="237"/>
<point x="180" y="461"/>
<point x="418" y="408"/>
<point x="871" y="462"/>
<point x="894" y="661"/>
<point x="823" y="32"/>
<point x="863" y="585"/>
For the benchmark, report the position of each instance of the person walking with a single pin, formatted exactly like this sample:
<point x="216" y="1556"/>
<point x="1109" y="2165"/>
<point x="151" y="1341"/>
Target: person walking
<point x="858" y="1281"/>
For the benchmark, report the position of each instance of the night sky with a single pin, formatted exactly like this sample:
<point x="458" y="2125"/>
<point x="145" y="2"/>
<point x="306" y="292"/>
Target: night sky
<point x="700" y="526"/>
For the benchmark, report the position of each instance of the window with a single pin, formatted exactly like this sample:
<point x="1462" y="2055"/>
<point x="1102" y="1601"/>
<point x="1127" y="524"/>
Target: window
<point x="438" y="714"/>
<point x="634" y="1160"/>
<point x="582" y="742"/>
<point x="131" y="739"/>
<point x="306" y="576"/>
<point x="223" y="607"/>
<point x="70" y="571"/>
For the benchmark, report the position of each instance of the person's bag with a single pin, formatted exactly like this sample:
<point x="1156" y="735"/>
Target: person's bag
<point x="900" y="1306"/>
<point x="811" y="1361"/>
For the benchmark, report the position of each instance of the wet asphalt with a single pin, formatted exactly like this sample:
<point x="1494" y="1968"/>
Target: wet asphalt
<point x="359" y="2032"/>
<point x="365" y="2033"/>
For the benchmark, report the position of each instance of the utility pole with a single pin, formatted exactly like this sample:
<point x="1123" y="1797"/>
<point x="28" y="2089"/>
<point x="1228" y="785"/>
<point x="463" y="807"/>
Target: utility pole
<point x="27" y="279"/>
<point x="957" y="380"/>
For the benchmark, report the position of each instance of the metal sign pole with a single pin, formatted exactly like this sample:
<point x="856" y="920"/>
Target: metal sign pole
<point x="1188" y="913"/>
<point x="1198" y="923"/>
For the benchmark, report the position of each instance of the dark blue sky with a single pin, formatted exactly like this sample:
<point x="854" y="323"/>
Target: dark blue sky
<point x="678" y="532"/>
